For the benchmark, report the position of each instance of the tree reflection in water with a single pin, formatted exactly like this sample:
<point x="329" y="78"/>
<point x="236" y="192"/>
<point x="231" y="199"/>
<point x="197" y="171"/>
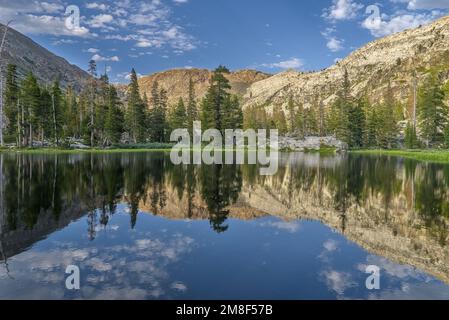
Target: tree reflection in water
<point x="39" y="185"/>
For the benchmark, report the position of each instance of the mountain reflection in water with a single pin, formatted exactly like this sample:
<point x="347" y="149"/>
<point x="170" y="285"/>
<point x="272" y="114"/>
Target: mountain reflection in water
<point x="62" y="209"/>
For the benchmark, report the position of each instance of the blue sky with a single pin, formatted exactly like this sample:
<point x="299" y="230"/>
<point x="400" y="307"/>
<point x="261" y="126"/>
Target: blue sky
<point x="156" y="35"/>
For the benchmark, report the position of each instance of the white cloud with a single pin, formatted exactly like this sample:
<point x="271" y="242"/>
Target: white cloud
<point x="26" y="6"/>
<point x="64" y="41"/>
<point x="97" y="6"/>
<point x="383" y="26"/>
<point x="148" y="24"/>
<point x="334" y="44"/>
<point x="342" y="10"/>
<point x="34" y="17"/>
<point x="100" y="21"/>
<point x="293" y="63"/>
<point x="425" y="4"/>
<point x="98" y="57"/>
<point x="93" y="50"/>
<point x="330" y="245"/>
<point x="288" y="226"/>
<point x="127" y="75"/>
<point x="338" y="281"/>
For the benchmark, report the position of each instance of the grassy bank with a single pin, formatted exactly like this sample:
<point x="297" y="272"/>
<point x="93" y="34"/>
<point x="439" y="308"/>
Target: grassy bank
<point x="77" y="151"/>
<point x="156" y="147"/>
<point x="439" y="156"/>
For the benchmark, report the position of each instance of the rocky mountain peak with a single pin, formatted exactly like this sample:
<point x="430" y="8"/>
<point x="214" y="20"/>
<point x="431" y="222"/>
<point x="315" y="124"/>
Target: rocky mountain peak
<point x="28" y="56"/>
<point x="176" y="82"/>
<point x="388" y="61"/>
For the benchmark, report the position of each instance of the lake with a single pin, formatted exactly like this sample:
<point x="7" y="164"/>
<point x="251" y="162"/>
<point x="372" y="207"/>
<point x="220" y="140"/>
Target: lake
<point x="139" y="227"/>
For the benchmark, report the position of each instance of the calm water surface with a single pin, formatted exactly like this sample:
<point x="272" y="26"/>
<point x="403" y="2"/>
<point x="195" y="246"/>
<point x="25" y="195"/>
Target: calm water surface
<point x="139" y="227"/>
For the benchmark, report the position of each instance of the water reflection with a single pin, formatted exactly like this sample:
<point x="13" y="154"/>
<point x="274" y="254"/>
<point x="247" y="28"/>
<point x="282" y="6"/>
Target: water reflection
<point x="395" y="209"/>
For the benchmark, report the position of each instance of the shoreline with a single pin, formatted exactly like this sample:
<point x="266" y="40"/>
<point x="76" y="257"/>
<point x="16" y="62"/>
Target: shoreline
<point x="435" y="156"/>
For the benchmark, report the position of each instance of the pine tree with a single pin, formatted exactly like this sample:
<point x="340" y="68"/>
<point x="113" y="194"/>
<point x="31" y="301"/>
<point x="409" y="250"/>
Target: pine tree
<point x="11" y="96"/>
<point x="158" y="114"/>
<point x="279" y="122"/>
<point x="178" y="118"/>
<point x="101" y="108"/>
<point x="321" y="118"/>
<point x="299" y="120"/>
<point x="30" y="96"/>
<point x="291" y="114"/>
<point x="163" y="107"/>
<point x="310" y="122"/>
<point x="411" y="139"/>
<point x="233" y="115"/>
<point x="387" y="120"/>
<point x="356" y="123"/>
<point x="114" y="118"/>
<point x="72" y="118"/>
<point x="338" y="121"/>
<point x="135" y="113"/>
<point x="432" y="112"/>
<point x="57" y="112"/>
<point x="92" y="87"/>
<point x="46" y="115"/>
<point x="371" y="128"/>
<point x="192" y="110"/>
<point x="214" y="103"/>
<point x="338" y="118"/>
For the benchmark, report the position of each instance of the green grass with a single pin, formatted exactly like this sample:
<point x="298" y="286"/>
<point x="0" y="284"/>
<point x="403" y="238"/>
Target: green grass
<point x="149" y="147"/>
<point x="324" y="149"/>
<point x="77" y="151"/>
<point x="157" y="147"/>
<point x="438" y="156"/>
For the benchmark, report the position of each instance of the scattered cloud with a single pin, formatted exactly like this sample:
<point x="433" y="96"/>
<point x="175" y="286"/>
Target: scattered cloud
<point x="148" y="23"/>
<point x="64" y="41"/>
<point x="385" y="25"/>
<point x="330" y="245"/>
<point x="337" y="281"/>
<point x="293" y="63"/>
<point x="342" y="10"/>
<point x="97" y="57"/>
<point x="43" y="18"/>
<point x="93" y="50"/>
<point x="424" y="4"/>
<point x="97" y="6"/>
<point x="100" y="21"/>
<point x="333" y="43"/>
<point x="289" y="226"/>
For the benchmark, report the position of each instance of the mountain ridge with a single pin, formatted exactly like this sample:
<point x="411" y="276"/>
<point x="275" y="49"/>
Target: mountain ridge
<point x="28" y="55"/>
<point x="176" y="82"/>
<point x="391" y="59"/>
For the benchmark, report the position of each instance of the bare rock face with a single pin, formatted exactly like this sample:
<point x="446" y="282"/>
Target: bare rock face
<point x="392" y="59"/>
<point x="28" y="56"/>
<point x="176" y="82"/>
<point x="311" y="143"/>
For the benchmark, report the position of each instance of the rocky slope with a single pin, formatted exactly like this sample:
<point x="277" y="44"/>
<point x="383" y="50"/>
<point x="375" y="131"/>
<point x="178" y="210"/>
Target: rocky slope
<point x="30" y="56"/>
<point x="391" y="59"/>
<point x="176" y="82"/>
